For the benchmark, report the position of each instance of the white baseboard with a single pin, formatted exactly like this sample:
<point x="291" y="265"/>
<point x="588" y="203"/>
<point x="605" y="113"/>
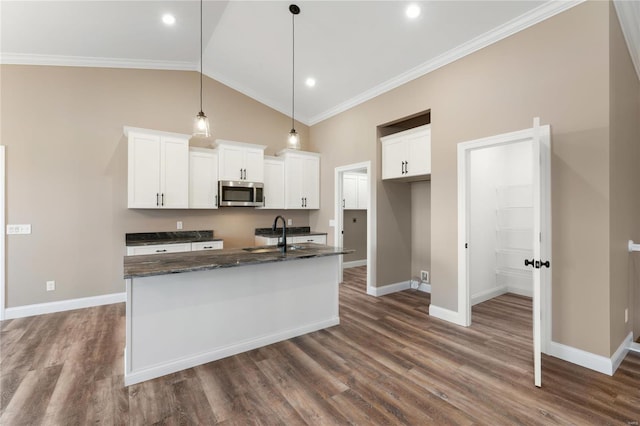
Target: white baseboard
<point x="591" y="361"/>
<point x="424" y="287"/>
<point x="63" y="305"/>
<point x="634" y="347"/>
<point x="446" y="315"/>
<point x="485" y="295"/>
<point x="203" y="358"/>
<point x="526" y="292"/>
<point x="354" y="263"/>
<point x="388" y="289"/>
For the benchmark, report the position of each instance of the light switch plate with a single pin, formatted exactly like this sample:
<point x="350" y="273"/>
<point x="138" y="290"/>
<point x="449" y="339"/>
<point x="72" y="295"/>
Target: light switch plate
<point x="18" y="229"/>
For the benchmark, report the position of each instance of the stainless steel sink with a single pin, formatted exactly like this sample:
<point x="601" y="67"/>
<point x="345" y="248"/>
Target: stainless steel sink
<point x="271" y="249"/>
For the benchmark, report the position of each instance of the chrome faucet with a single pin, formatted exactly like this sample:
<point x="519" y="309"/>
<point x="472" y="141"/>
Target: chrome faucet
<point x="283" y="243"/>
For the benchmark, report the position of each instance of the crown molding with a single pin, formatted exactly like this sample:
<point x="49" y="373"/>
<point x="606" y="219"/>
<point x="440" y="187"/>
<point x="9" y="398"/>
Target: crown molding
<point x="534" y="16"/>
<point x="88" y="61"/>
<point x="629" y="15"/>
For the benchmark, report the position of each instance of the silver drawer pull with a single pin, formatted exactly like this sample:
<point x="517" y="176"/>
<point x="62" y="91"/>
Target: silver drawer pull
<point x="207" y="247"/>
<point x="161" y="251"/>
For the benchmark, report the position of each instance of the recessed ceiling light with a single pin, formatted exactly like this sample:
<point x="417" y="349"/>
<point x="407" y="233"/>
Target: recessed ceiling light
<point x="168" y="19"/>
<point x="413" y="11"/>
<point x="310" y="82"/>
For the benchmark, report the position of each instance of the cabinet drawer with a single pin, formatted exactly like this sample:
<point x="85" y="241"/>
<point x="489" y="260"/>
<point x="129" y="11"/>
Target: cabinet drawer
<point x="318" y="239"/>
<point x="158" y="248"/>
<point x="265" y="241"/>
<point x="207" y="245"/>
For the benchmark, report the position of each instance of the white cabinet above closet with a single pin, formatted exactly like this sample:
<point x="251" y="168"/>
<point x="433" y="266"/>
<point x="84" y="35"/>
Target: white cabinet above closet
<point x="158" y="169"/>
<point x="407" y="155"/>
<point x="240" y="161"/>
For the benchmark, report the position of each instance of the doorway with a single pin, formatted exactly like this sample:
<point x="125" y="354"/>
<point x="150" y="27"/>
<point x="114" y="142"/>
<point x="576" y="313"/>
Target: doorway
<point x="504" y="230"/>
<point x="4" y="234"/>
<point x="359" y="177"/>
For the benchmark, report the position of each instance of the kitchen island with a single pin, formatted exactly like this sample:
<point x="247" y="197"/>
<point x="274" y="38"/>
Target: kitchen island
<point x="190" y="308"/>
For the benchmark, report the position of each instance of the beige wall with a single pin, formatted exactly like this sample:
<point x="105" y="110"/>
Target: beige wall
<point x="67" y="168"/>
<point x="355" y="234"/>
<point x="624" y="183"/>
<point x="420" y="227"/>
<point x="557" y="70"/>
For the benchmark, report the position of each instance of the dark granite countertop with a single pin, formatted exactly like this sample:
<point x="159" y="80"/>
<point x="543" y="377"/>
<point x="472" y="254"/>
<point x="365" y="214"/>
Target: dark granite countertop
<point x="173" y="263"/>
<point x="293" y="231"/>
<point x="174" y="237"/>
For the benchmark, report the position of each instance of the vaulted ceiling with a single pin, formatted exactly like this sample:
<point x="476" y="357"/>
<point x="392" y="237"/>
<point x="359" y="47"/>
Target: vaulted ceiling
<point x="354" y="50"/>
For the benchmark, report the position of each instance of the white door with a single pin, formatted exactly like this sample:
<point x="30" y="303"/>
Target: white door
<point x="174" y="173"/>
<point x="350" y="191"/>
<point x="231" y="162"/>
<point x="293" y="168"/>
<point x="311" y="182"/>
<point x="394" y="154"/>
<point x="273" y="184"/>
<point x="254" y="165"/>
<point x="418" y="161"/>
<point x="540" y="139"/>
<point x="203" y="179"/>
<point x="363" y="192"/>
<point x="541" y="238"/>
<point x="144" y="171"/>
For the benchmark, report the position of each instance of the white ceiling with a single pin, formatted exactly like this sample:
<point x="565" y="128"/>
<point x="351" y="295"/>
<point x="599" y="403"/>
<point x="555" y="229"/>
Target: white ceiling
<point x="355" y="49"/>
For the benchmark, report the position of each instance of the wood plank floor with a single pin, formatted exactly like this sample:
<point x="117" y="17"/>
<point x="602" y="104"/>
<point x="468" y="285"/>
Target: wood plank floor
<point x="387" y="362"/>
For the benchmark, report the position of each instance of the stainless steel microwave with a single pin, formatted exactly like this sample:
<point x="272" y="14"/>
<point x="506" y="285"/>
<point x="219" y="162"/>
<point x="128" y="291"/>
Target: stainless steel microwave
<point x="239" y="193"/>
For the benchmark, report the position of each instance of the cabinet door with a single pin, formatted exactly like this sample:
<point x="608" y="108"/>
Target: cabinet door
<point x="144" y="171"/>
<point x="203" y="180"/>
<point x="207" y="245"/>
<point x="265" y="241"/>
<point x="294" y="180"/>
<point x="231" y="162"/>
<point x="363" y="192"/>
<point x="158" y="249"/>
<point x="174" y="173"/>
<point x="273" y="184"/>
<point x="419" y="153"/>
<point x="311" y="182"/>
<point x="254" y="165"/>
<point x="318" y="239"/>
<point x="394" y="153"/>
<point x="350" y="191"/>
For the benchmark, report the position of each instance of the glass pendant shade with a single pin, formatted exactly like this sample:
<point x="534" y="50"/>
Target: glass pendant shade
<point x="294" y="139"/>
<point x="201" y="126"/>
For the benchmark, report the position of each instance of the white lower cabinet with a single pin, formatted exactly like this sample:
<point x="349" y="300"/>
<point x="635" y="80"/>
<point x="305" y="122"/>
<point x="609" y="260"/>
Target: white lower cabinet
<point x="174" y="248"/>
<point x="158" y="248"/>
<point x="272" y="241"/>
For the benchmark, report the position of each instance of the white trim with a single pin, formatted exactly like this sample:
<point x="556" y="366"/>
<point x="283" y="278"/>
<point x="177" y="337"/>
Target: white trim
<point x="3" y="227"/>
<point x="534" y="16"/>
<point x="94" y="62"/>
<point x="520" y="291"/>
<point x="485" y="295"/>
<point x="446" y="315"/>
<point x="634" y="347"/>
<point x="629" y="15"/>
<point x="388" y="289"/>
<point x="589" y="360"/>
<point x="129" y="129"/>
<point x="371" y="218"/>
<point x="354" y="263"/>
<point x="64" y="305"/>
<point x="184" y="363"/>
<point x="425" y="288"/>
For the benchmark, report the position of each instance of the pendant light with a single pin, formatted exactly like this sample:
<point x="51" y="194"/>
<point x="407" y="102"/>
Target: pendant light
<point x="294" y="137"/>
<point x="201" y="122"/>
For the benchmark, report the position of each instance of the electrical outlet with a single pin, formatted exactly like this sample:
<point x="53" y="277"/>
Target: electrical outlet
<point x="51" y="285"/>
<point x="626" y="315"/>
<point x="18" y="229"/>
<point x="179" y="224"/>
<point x="424" y="276"/>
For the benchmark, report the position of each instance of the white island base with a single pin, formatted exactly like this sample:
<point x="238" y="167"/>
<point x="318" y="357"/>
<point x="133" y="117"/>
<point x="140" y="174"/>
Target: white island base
<point x="178" y="321"/>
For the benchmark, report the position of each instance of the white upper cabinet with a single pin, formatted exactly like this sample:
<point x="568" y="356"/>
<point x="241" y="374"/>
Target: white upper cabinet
<point x="302" y="179"/>
<point x="355" y="191"/>
<point x="203" y="178"/>
<point x="158" y="169"/>
<point x="240" y="161"/>
<point x="273" y="192"/>
<point x="407" y="154"/>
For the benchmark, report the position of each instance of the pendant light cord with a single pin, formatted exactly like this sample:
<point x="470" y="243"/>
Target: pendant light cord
<point x="201" y="55"/>
<point x="293" y="69"/>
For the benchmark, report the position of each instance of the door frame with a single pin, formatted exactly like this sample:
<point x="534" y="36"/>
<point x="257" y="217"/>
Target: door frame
<point x="4" y="234"/>
<point x="464" y="156"/>
<point x="339" y="217"/>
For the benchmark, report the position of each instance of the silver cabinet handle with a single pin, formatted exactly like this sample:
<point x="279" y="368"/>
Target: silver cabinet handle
<point x="162" y="199"/>
<point x="207" y="247"/>
<point x="161" y="251"/>
<point x="157" y="199"/>
<point x="215" y="201"/>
